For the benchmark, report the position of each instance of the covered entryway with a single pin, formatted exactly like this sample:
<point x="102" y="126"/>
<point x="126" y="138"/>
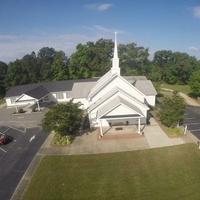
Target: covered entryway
<point x="122" y="122"/>
<point x="31" y="97"/>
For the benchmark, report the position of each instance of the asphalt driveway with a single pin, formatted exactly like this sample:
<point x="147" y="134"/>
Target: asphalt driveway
<point x="192" y="120"/>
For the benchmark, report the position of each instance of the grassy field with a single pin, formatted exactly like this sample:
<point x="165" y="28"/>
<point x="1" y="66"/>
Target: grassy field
<point x="2" y="101"/>
<point x="180" y="88"/>
<point x="157" y="174"/>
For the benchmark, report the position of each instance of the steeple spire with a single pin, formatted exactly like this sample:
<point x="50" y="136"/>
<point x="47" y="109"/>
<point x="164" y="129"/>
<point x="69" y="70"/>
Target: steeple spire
<point x="115" y="61"/>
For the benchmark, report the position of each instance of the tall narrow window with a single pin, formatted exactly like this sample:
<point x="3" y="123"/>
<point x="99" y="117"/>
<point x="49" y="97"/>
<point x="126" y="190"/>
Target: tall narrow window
<point x="59" y="95"/>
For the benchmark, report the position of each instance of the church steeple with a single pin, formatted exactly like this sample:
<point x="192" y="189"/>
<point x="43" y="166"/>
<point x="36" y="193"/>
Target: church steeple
<point x="115" y="61"/>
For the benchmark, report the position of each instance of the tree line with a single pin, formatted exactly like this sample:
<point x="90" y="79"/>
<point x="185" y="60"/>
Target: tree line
<point x="93" y="59"/>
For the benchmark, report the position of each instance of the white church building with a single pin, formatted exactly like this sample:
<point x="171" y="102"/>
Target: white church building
<point x="109" y="100"/>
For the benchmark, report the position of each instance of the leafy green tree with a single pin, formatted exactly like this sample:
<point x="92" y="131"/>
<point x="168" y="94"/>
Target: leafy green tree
<point x="133" y="60"/>
<point x="3" y="70"/>
<point x="22" y="71"/>
<point x="60" y="67"/>
<point x="184" y="65"/>
<point x="14" y="74"/>
<point x="30" y="69"/>
<point x="173" y="67"/>
<point x="64" y="119"/>
<point x="155" y="73"/>
<point x="161" y="63"/>
<point x="194" y="82"/>
<point x="172" y="110"/>
<point x="45" y="58"/>
<point x="91" y="59"/>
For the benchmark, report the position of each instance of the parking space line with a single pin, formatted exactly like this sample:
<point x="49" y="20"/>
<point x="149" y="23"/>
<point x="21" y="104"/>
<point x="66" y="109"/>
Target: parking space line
<point x="3" y="150"/>
<point x="195" y="130"/>
<point x="192" y="123"/>
<point x="6" y="130"/>
<point x="12" y="139"/>
<point x="18" y="129"/>
<point x="6" y="123"/>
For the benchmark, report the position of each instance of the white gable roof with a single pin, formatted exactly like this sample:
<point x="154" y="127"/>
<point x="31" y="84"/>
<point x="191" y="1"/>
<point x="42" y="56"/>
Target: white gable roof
<point x="108" y="78"/>
<point x="113" y="92"/>
<point x="115" y="103"/>
<point x="100" y="83"/>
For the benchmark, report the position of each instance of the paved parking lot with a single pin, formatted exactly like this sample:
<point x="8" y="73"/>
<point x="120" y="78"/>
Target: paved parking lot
<point x="192" y="120"/>
<point x="25" y="139"/>
<point x="16" y="156"/>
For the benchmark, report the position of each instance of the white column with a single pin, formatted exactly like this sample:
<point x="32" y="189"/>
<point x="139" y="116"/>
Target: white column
<point x="38" y="105"/>
<point x="16" y="107"/>
<point x="101" y="131"/>
<point x="139" y="125"/>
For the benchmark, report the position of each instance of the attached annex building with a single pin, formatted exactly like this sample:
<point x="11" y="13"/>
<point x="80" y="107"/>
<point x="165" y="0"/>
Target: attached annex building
<point x="111" y="99"/>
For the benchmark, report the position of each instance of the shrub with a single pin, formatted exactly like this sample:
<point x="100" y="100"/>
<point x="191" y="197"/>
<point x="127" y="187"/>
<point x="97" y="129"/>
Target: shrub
<point x="62" y="140"/>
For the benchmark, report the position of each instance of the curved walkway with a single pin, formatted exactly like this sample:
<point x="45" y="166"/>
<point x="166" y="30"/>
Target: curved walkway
<point x="189" y="100"/>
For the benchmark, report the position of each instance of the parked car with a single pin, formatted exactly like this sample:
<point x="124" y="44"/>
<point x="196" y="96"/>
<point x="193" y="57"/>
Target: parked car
<point x="3" y="138"/>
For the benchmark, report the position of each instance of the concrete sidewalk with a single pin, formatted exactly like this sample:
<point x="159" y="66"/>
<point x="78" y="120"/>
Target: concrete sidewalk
<point x="89" y="143"/>
<point x="156" y="137"/>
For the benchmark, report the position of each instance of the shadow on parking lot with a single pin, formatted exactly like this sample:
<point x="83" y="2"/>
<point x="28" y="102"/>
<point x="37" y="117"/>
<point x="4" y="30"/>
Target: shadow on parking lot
<point x="9" y="139"/>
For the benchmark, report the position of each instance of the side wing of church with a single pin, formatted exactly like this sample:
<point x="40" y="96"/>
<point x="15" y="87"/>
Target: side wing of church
<point x="109" y="100"/>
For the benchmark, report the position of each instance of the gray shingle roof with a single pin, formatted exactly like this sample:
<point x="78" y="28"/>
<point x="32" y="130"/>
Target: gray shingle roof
<point x="81" y="90"/>
<point x="58" y="86"/>
<point x="132" y="79"/>
<point x="145" y="86"/>
<point x="38" y="92"/>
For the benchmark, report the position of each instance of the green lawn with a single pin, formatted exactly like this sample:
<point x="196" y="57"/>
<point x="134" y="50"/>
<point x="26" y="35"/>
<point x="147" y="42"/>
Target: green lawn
<point x="165" y="173"/>
<point x="181" y="88"/>
<point x="2" y="101"/>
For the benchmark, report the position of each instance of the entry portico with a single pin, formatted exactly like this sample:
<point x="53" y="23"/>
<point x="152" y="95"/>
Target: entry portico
<point x="31" y="97"/>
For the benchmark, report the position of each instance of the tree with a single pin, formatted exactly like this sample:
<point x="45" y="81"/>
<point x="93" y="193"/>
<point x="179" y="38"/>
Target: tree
<point x="172" y="110"/>
<point x="133" y="59"/>
<point x="30" y="69"/>
<point x="194" y="82"/>
<point x="173" y="67"/>
<point x="64" y="119"/>
<point x="22" y="71"/>
<point x="91" y="59"/>
<point x="14" y="74"/>
<point x="60" y="67"/>
<point x="3" y="70"/>
<point x="45" y="60"/>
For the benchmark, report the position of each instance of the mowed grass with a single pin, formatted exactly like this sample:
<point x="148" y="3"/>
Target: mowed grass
<point x="164" y="173"/>
<point x="2" y="101"/>
<point x="180" y="88"/>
